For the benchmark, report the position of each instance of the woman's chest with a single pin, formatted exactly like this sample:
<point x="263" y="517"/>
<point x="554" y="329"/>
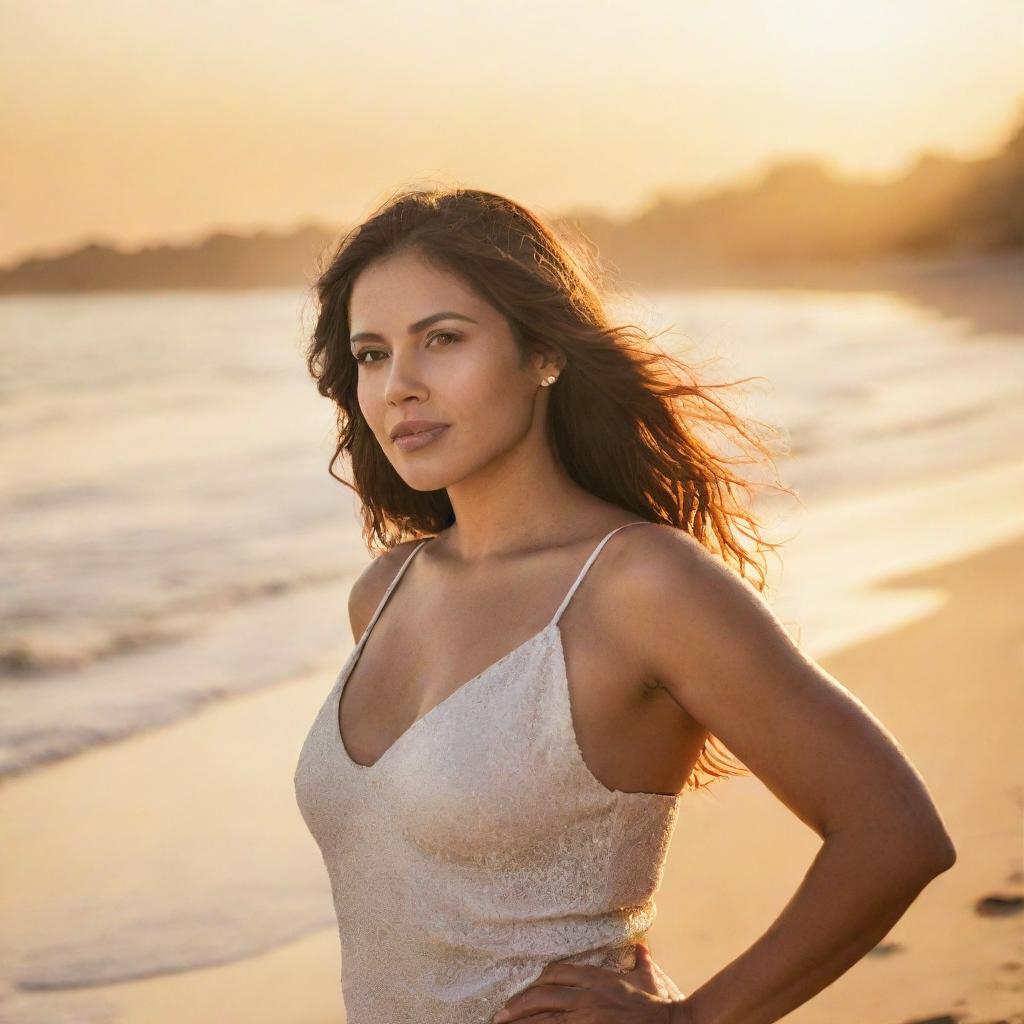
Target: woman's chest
<point x="494" y="763"/>
<point x="595" y="681"/>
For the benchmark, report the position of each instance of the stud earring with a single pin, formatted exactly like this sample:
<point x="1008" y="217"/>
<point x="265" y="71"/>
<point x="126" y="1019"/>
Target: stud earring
<point x="548" y="381"/>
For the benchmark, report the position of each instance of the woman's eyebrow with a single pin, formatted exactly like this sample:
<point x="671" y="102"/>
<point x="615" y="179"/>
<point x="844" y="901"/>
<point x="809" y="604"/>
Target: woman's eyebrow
<point x="416" y="327"/>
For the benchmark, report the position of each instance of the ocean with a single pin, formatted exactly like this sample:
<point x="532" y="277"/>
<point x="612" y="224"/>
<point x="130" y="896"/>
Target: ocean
<point x="171" y="535"/>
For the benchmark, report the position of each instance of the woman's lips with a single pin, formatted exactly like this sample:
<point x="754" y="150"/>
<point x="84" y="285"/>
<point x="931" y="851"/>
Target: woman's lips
<point x="410" y="442"/>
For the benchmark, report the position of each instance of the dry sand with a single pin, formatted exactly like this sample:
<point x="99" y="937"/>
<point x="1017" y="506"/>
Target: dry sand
<point x="210" y="798"/>
<point x="950" y="688"/>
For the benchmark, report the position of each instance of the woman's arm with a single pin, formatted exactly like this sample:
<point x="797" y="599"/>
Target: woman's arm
<point x="711" y="641"/>
<point x="852" y="895"/>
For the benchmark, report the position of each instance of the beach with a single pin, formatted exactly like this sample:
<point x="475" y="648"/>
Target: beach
<point x="179" y="808"/>
<point x="177" y="617"/>
<point x="785" y="311"/>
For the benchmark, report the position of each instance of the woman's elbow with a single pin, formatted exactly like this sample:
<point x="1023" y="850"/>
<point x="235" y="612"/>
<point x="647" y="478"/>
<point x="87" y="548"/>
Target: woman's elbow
<point x="929" y="853"/>
<point x="945" y="854"/>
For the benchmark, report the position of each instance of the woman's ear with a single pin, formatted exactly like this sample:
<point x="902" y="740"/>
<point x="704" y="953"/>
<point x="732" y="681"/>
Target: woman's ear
<point x="548" y="365"/>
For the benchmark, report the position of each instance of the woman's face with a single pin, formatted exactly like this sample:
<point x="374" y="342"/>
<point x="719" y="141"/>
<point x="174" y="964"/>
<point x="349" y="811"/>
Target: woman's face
<point x="459" y="371"/>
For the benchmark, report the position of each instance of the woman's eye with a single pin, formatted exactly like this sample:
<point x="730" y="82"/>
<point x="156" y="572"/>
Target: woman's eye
<point x="444" y="334"/>
<point x="362" y="356"/>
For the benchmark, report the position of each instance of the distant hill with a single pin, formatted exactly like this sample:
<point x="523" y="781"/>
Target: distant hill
<point x="220" y="261"/>
<point x="800" y="213"/>
<point x="987" y="214"/>
<point x="796" y="212"/>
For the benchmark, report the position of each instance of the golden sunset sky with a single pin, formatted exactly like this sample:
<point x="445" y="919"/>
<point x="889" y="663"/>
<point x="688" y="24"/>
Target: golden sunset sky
<point x="128" y="122"/>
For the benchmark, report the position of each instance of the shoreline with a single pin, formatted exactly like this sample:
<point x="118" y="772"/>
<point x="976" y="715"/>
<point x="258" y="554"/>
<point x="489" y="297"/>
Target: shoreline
<point x="984" y="290"/>
<point x="979" y="287"/>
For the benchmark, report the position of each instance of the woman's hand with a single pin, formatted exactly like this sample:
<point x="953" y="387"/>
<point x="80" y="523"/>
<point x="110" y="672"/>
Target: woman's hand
<point x="562" y="992"/>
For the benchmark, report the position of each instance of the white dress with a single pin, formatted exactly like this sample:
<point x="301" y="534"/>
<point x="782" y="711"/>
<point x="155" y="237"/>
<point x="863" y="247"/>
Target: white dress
<point x="479" y="847"/>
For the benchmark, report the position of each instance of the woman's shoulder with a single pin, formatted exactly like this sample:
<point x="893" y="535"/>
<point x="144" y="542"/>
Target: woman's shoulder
<point x="370" y="585"/>
<point x="666" y="575"/>
<point x="663" y="550"/>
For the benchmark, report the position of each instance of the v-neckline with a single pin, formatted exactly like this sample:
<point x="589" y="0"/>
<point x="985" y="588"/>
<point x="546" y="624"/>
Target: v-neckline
<point x="432" y="711"/>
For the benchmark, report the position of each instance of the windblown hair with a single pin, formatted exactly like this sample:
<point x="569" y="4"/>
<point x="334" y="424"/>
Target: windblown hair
<point x="623" y="420"/>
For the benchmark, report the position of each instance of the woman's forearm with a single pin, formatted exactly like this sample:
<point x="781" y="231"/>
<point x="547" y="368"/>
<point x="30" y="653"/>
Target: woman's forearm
<point x="853" y="893"/>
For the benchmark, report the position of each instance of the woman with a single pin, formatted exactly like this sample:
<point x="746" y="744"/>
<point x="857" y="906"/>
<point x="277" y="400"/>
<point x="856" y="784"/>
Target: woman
<point x="494" y="778"/>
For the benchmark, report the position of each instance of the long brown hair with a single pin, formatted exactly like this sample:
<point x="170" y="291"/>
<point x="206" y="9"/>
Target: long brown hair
<point x="624" y="420"/>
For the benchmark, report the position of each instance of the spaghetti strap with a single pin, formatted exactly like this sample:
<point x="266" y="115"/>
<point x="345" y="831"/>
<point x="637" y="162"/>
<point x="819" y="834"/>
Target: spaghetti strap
<point x="590" y="561"/>
<point x="387" y="593"/>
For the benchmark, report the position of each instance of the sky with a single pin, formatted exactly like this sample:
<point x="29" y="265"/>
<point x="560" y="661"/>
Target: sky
<point x="130" y="123"/>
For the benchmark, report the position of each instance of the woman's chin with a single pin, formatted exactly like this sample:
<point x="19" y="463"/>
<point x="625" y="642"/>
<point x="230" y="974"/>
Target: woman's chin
<point x="424" y="479"/>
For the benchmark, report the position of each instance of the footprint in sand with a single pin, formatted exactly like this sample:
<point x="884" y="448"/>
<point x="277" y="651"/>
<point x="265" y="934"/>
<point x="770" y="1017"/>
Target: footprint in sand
<point x="999" y="905"/>
<point x="886" y="949"/>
